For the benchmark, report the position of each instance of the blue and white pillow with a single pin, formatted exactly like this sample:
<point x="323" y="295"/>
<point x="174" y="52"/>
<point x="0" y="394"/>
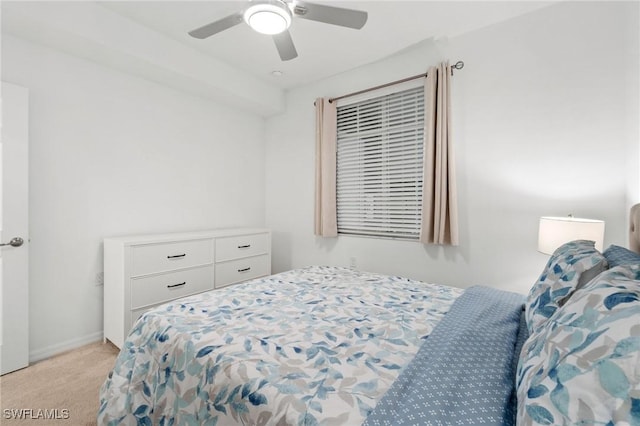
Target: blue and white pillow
<point x="571" y="266"/>
<point x="583" y="366"/>
<point x="617" y="256"/>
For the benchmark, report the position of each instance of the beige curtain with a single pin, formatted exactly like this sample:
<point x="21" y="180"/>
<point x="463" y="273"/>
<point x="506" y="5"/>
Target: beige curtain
<point x="326" y="222"/>
<point x="439" y="199"/>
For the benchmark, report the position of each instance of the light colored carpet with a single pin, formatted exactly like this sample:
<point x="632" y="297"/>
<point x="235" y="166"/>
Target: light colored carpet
<point x="70" y="381"/>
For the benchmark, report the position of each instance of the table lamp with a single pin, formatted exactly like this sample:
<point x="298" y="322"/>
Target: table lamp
<point x="555" y="231"/>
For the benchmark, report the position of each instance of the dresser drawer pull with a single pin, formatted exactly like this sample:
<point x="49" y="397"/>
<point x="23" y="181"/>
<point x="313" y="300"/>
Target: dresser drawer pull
<point x="244" y="246"/>
<point x="244" y="269"/>
<point x="176" y="256"/>
<point x="177" y="285"/>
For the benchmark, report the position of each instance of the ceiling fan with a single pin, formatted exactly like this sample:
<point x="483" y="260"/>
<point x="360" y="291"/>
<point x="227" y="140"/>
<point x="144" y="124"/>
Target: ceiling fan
<point x="274" y="17"/>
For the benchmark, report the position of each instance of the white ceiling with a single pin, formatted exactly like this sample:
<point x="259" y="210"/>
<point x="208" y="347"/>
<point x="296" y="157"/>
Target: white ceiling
<point x="323" y="49"/>
<point x="149" y="38"/>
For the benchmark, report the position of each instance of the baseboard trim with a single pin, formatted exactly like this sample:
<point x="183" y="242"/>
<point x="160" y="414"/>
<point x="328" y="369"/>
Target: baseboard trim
<point x="58" y="348"/>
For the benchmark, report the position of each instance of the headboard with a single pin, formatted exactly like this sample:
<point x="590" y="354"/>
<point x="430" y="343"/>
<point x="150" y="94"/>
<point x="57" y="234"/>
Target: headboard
<point x="634" y="228"/>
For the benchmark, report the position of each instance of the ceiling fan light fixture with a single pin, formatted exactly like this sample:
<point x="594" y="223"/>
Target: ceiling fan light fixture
<point x="268" y="17"/>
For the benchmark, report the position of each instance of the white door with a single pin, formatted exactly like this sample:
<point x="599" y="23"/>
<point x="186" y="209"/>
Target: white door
<point x="14" y="223"/>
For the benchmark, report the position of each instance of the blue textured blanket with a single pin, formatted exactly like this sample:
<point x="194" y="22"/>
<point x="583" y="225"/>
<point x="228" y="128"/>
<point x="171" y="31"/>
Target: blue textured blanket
<point x="464" y="373"/>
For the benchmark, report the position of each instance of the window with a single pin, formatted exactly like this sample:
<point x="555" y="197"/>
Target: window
<point x="379" y="165"/>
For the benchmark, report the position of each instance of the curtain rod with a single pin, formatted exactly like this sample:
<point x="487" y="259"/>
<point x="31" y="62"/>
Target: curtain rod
<point x="457" y="66"/>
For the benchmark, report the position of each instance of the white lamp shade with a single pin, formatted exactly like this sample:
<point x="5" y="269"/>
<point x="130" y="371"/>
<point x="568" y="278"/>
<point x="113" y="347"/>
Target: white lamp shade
<point x="555" y="231"/>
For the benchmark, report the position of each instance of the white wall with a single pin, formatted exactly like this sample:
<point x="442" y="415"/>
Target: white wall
<point x="112" y="154"/>
<point x="543" y="117"/>
<point x="633" y="156"/>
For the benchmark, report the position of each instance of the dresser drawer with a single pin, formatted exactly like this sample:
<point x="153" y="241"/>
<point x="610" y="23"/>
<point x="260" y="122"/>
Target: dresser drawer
<point x="228" y="248"/>
<point x="151" y="258"/>
<point x="160" y="288"/>
<point x="238" y="270"/>
<point x="135" y="315"/>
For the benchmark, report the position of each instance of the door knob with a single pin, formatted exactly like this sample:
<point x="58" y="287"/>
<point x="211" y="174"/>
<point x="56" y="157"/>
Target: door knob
<point x="15" y="242"/>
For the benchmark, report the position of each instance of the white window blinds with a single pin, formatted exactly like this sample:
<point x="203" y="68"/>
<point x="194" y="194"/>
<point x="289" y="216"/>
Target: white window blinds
<point x="379" y="165"/>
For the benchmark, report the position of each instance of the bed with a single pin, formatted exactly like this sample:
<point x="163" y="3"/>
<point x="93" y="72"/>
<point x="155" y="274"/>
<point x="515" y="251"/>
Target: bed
<point x="335" y="346"/>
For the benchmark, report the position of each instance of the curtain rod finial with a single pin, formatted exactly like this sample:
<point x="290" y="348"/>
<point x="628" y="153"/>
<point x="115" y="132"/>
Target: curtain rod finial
<point x="457" y="66"/>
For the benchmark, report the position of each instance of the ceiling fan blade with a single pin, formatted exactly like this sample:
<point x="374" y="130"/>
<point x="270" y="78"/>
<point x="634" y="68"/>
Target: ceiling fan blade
<point x="330" y="14"/>
<point x="285" y="46"/>
<point x="217" y="26"/>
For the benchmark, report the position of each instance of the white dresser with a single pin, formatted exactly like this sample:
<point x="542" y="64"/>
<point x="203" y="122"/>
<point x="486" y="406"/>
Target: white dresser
<point x="143" y="271"/>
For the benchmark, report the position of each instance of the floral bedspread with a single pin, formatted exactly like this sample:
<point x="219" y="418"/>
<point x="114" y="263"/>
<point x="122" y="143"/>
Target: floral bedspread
<point x="318" y="345"/>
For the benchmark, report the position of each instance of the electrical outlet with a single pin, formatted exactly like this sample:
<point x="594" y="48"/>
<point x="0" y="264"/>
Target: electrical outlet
<point x="352" y="263"/>
<point x="100" y="278"/>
